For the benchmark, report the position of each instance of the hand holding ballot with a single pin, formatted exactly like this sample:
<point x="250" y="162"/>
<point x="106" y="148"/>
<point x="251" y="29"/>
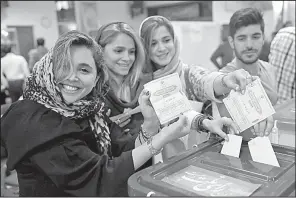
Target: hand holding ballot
<point x="168" y="102"/>
<point x="251" y="109"/>
<point x="263" y="128"/>
<point x="216" y="126"/>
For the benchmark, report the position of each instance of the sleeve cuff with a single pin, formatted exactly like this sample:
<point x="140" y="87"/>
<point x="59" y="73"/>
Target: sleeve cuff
<point x="209" y="86"/>
<point x="191" y="115"/>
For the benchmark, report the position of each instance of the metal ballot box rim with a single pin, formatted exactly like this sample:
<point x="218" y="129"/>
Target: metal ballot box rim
<point x="274" y="181"/>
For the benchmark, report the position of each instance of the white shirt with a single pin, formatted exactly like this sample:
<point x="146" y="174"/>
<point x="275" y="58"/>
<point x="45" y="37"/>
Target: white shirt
<point x="14" y="67"/>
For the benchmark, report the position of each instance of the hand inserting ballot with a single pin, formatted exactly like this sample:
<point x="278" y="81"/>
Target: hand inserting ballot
<point x="201" y="122"/>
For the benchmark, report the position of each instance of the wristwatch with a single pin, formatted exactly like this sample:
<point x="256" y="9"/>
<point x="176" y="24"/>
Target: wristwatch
<point x="153" y="150"/>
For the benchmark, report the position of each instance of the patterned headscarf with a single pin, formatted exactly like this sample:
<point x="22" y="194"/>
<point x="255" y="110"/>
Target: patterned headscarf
<point x="41" y="87"/>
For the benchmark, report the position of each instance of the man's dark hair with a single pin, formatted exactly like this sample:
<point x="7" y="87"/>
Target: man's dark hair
<point x="245" y="17"/>
<point x="40" y="42"/>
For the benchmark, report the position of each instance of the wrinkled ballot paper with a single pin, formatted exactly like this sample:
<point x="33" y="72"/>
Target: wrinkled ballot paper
<point x="250" y="108"/>
<point x="167" y="98"/>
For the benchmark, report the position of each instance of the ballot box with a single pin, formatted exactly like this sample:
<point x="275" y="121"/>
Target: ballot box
<point x="285" y="116"/>
<point x="203" y="171"/>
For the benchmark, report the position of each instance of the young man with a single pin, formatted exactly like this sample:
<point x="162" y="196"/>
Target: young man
<point x="282" y="58"/>
<point x="246" y="39"/>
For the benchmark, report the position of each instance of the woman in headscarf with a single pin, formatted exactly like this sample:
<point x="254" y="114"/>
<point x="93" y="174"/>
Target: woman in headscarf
<point x="125" y="58"/>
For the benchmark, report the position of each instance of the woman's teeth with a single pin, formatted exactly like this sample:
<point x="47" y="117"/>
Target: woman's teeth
<point x="70" y="88"/>
<point x="162" y="56"/>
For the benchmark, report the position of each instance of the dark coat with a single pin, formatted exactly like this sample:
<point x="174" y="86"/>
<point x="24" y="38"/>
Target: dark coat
<point x="57" y="156"/>
<point x="117" y="106"/>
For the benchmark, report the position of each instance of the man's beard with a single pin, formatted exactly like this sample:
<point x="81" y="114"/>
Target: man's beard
<point x="239" y="57"/>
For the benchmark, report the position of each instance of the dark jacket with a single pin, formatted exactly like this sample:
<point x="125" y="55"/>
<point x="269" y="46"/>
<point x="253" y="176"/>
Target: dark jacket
<point x="117" y="106"/>
<point x="56" y="156"/>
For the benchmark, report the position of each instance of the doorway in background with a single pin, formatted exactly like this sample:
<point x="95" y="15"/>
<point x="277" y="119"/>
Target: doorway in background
<point x="23" y="39"/>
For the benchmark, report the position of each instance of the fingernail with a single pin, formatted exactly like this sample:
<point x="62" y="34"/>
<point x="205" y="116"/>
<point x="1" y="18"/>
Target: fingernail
<point x="243" y="92"/>
<point x="236" y="88"/>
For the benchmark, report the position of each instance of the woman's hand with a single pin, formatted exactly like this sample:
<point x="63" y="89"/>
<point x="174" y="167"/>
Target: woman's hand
<point x="146" y="107"/>
<point x="238" y="80"/>
<point x="151" y="122"/>
<point x="216" y="126"/>
<point x="177" y="129"/>
<point x="263" y="128"/>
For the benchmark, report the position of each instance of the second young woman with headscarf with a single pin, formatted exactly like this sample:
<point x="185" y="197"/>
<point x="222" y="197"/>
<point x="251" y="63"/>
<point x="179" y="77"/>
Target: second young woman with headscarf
<point x="125" y="59"/>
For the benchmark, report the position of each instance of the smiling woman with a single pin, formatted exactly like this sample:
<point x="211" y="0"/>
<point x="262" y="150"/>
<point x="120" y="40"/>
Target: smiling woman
<point x="125" y="58"/>
<point x="84" y="75"/>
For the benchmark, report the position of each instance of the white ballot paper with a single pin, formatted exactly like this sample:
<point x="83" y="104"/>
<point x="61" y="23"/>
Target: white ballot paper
<point x="233" y="146"/>
<point x="167" y="98"/>
<point x="262" y="151"/>
<point x="249" y="109"/>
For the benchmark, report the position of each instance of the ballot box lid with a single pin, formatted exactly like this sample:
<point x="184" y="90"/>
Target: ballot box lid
<point x="205" y="172"/>
<point x="285" y="112"/>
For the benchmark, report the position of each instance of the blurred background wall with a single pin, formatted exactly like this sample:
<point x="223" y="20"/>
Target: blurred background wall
<point x="25" y="21"/>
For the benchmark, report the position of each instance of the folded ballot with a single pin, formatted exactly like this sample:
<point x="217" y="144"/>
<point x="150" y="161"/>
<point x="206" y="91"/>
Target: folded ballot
<point x="232" y="146"/>
<point x="261" y="151"/>
<point x="250" y="108"/>
<point x="167" y="98"/>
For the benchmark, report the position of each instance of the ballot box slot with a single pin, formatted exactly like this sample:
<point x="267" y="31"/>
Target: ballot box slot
<point x="178" y="161"/>
<point x="235" y="172"/>
<point x="246" y="167"/>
